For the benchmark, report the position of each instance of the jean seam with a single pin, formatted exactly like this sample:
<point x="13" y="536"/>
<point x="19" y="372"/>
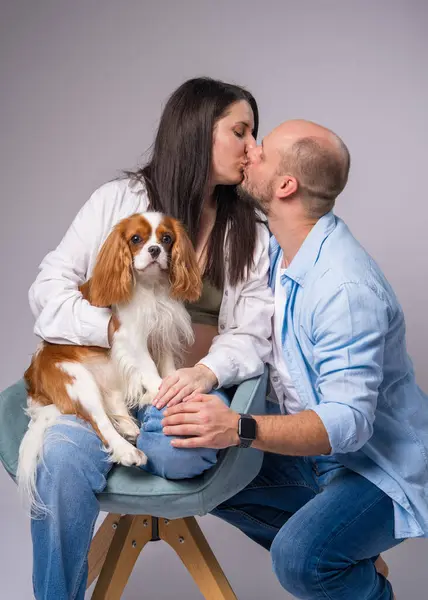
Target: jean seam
<point x="251" y="518"/>
<point x="283" y="484"/>
<point x="334" y="536"/>
<point x="79" y="578"/>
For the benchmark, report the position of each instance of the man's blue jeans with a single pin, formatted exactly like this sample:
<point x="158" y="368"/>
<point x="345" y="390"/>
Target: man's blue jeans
<point x="73" y="471"/>
<point x="323" y="524"/>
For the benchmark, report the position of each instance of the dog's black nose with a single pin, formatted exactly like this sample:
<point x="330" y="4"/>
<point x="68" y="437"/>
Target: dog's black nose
<point x="154" y="251"/>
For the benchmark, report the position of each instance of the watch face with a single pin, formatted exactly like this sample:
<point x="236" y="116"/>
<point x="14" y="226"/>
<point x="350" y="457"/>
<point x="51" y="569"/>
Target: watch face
<point x="247" y="428"/>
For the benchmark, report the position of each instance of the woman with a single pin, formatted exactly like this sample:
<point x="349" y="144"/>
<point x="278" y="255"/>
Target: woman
<point x="198" y="158"/>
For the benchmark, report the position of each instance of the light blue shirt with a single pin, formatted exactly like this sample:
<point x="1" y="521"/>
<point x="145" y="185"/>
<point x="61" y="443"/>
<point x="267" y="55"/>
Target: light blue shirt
<point x="344" y="344"/>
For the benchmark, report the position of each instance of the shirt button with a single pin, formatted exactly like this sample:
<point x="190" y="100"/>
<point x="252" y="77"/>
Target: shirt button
<point x="274" y="378"/>
<point x="226" y="293"/>
<point x="222" y="326"/>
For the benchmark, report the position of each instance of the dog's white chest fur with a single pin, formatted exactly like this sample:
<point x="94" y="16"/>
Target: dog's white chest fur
<point x="154" y="330"/>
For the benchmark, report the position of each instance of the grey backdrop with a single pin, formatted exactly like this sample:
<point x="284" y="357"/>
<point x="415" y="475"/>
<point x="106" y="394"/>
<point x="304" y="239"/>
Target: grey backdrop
<point x="82" y="86"/>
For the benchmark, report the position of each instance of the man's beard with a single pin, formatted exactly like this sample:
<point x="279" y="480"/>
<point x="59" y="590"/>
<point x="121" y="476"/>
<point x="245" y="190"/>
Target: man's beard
<point x="259" y="201"/>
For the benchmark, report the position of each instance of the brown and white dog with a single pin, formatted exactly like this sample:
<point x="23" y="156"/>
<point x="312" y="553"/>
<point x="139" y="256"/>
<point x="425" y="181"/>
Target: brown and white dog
<point x="145" y="270"/>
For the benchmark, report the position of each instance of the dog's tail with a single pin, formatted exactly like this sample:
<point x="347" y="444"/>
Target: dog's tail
<point x="30" y="453"/>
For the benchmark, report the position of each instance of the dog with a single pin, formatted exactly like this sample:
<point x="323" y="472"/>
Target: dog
<point x="145" y="271"/>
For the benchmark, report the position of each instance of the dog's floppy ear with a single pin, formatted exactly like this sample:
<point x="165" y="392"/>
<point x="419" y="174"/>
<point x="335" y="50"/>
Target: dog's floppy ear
<point x="185" y="275"/>
<point x="112" y="279"/>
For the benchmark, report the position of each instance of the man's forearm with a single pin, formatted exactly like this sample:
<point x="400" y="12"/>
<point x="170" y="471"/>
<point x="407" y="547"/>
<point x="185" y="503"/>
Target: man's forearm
<point x="302" y="434"/>
<point x="206" y="422"/>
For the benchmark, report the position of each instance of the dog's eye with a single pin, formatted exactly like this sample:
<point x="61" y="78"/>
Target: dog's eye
<point x="136" y="239"/>
<point x="166" y="239"/>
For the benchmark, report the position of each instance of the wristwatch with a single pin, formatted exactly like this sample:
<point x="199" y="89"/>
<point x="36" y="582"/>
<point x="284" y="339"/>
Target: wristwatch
<point x="247" y="430"/>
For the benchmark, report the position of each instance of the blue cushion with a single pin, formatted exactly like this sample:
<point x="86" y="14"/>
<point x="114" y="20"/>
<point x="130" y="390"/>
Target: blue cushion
<point x="133" y="491"/>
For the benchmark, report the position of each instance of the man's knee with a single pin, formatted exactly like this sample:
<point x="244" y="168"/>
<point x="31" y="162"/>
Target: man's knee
<point x="296" y="564"/>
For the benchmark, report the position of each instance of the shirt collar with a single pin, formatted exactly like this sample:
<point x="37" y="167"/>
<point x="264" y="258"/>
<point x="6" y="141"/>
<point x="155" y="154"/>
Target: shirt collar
<point x="309" y="251"/>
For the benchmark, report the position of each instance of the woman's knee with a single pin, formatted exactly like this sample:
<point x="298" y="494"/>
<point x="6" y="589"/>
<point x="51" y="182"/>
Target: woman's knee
<point x="174" y="463"/>
<point x="163" y="459"/>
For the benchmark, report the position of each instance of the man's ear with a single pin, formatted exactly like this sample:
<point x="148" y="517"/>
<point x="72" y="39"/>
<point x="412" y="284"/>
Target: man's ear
<point x="288" y="186"/>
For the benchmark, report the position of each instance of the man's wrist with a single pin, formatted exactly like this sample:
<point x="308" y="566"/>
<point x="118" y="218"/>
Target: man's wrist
<point x="247" y="430"/>
<point x="236" y="440"/>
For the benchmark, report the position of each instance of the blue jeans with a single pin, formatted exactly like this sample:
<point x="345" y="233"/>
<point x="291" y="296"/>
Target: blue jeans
<point x="323" y="524"/>
<point x="74" y="469"/>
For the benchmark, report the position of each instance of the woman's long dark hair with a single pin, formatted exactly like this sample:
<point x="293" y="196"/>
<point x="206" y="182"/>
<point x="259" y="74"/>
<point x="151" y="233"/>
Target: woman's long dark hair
<point x="178" y="174"/>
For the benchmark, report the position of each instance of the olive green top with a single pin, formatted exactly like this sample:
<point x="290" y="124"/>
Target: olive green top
<point x="205" y="311"/>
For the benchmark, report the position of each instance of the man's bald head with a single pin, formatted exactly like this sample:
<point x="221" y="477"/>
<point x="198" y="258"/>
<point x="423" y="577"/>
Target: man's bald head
<point x="317" y="158"/>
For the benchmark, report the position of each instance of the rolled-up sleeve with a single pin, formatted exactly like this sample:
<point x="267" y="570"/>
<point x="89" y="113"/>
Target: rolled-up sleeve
<point x="349" y="330"/>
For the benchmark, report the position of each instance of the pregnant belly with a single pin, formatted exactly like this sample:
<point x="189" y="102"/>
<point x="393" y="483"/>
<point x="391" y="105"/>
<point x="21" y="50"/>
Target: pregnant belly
<point x="204" y="335"/>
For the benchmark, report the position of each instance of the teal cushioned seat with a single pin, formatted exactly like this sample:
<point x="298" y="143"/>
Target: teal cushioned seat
<point x="132" y="491"/>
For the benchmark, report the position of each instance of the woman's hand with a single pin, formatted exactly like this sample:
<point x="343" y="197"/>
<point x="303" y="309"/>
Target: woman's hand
<point x="179" y="385"/>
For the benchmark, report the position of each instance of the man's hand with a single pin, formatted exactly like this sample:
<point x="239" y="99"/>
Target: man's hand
<point x="207" y="421"/>
<point x="180" y="385"/>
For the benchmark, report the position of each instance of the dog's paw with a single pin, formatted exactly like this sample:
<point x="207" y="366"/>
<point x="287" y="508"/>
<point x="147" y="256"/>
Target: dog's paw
<point x="147" y="397"/>
<point x="141" y="392"/>
<point x="128" y="429"/>
<point x="128" y="456"/>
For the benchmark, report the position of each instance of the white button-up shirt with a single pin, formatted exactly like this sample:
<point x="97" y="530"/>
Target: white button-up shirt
<point x="63" y="316"/>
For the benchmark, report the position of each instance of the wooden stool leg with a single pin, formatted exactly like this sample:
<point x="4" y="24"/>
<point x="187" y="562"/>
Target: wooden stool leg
<point x="132" y="534"/>
<point x="186" y="538"/>
<point x="100" y="545"/>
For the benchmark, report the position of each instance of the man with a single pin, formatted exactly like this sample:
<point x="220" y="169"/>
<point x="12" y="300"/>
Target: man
<point x="354" y="424"/>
